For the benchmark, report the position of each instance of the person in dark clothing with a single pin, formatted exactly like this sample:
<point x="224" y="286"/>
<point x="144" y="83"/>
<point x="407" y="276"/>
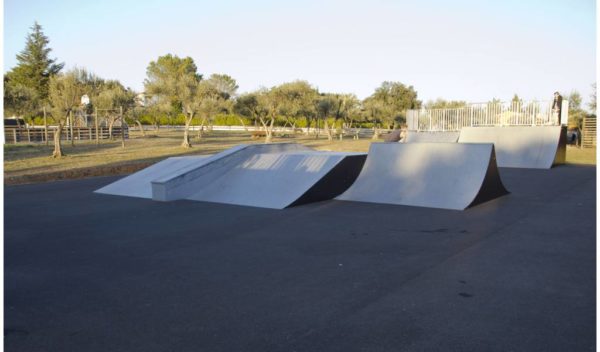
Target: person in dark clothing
<point x="556" y="106"/>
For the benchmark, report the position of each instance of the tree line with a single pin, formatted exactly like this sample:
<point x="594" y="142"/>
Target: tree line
<point x="176" y="92"/>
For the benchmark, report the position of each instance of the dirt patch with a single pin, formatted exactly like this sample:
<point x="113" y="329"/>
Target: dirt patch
<point x="72" y="174"/>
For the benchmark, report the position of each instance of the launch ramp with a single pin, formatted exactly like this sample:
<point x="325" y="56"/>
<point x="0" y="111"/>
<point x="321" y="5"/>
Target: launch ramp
<point x="262" y="175"/>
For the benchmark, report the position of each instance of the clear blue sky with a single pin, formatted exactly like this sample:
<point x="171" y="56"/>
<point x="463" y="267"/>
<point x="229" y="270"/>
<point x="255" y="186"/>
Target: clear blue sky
<point x="463" y="49"/>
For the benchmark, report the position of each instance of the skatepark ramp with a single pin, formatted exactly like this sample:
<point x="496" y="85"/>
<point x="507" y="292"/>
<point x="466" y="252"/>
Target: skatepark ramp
<point x="537" y="147"/>
<point x="432" y="137"/>
<point x="262" y="175"/>
<point x="139" y="184"/>
<point x="437" y="175"/>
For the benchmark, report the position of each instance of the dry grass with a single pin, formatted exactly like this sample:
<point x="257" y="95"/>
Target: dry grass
<point x="581" y="155"/>
<point x="27" y="163"/>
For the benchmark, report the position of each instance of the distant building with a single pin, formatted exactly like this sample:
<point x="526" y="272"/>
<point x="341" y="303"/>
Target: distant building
<point x="140" y="99"/>
<point x="144" y="99"/>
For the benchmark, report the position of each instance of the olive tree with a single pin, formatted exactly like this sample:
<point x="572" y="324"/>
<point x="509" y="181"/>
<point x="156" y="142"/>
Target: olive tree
<point x="261" y="106"/>
<point x="295" y="101"/>
<point x="112" y="97"/>
<point x="173" y="82"/>
<point x="65" y="91"/>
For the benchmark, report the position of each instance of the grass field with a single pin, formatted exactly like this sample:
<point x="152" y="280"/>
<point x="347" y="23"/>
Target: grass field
<point x="27" y="163"/>
<point x="30" y="163"/>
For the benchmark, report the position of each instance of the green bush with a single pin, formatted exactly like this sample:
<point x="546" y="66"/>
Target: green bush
<point x="229" y="120"/>
<point x="37" y="121"/>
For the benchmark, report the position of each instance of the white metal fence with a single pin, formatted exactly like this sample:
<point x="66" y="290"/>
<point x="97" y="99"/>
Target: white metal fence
<point x="534" y="113"/>
<point x="360" y="132"/>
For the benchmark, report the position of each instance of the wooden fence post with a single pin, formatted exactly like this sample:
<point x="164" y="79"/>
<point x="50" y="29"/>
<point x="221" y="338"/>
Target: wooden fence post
<point x="45" y="126"/>
<point x="122" y="127"/>
<point x="96" y="124"/>
<point x="71" y="128"/>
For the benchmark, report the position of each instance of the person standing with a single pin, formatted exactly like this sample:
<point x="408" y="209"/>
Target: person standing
<point x="556" y="107"/>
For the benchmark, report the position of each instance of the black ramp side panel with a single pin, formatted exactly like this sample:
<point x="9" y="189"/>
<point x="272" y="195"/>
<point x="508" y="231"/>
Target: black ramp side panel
<point x="335" y="182"/>
<point x="491" y="186"/>
<point x="561" y="149"/>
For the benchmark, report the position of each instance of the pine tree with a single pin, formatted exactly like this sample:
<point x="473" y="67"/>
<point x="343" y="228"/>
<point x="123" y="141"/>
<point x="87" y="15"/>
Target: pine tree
<point x="34" y="67"/>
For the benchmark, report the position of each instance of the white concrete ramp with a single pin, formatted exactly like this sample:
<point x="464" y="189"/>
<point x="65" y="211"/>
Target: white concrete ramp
<point x="279" y="180"/>
<point x="189" y="180"/>
<point x="537" y="147"/>
<point x="139" y="183"/>
<point x="436" y="175"/>
<point x="262" y="175"/>
<point x="432" y="137"/>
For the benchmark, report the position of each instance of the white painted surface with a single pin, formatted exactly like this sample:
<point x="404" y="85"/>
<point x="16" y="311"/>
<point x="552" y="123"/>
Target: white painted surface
<point x="436" y="175"/>
<point x="261" y="175"/>
<point x="184" y="184"/>
<point x="270" y="180"/>
<point x="432" y="137"/>
<point x="518" y="146"/>
<point x="139" y="184"/>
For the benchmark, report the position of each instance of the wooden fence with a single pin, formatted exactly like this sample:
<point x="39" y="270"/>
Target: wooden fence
<point x="14" y="135"/>
<point x="589" y="132"/>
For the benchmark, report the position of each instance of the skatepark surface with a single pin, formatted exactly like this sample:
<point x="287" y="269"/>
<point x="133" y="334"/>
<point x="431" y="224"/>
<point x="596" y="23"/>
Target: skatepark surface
<point x="93" y="272"/>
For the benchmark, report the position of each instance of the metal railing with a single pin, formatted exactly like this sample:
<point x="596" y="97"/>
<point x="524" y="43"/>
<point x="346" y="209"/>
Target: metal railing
<point x="534" y="113"/>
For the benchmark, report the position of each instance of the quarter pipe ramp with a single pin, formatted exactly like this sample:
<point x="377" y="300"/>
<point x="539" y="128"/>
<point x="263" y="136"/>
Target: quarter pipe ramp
<point x="437" y="175"/>
<point x="537" y="147"/>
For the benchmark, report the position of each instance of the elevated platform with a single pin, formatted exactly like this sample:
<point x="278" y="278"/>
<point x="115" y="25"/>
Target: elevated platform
<point x="432" y="137"/>
<point x="437" y="175"/>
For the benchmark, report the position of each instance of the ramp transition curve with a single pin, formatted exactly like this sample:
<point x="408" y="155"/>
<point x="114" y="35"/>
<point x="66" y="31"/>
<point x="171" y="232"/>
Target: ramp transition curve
<point x="438" y="175"/>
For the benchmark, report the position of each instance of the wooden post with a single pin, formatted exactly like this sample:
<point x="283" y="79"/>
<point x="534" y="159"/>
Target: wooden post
<point x="122" y="127"/>
<point x="71" y="128"/>
<point x="45" y="127"/>
<point x="96" y="124"/>
<point x="15" y="135"/>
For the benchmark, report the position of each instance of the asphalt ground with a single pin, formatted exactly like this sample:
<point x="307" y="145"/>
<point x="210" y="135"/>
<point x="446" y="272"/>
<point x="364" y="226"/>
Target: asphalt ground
<point x="92" y="272"/>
